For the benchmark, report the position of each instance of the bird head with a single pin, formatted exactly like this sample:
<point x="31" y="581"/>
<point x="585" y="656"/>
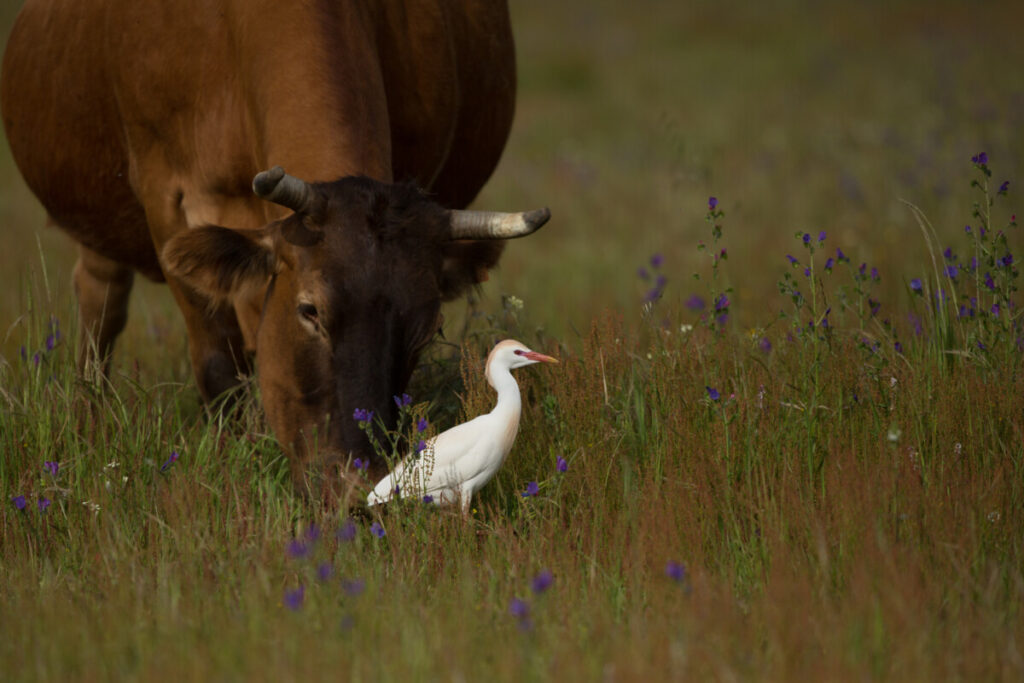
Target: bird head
<point x="510" y="354"/>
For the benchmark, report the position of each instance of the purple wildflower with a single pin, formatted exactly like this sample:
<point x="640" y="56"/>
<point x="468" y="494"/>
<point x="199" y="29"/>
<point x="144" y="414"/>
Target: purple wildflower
<point x="916" y="323"/>
<point x="1007" y="260"/>
<point x="353" y="587"/>
<point x="403" y="400"/>
<point x="765" y="345"/>
<point x="170" y="461"/>
<point x="1004" y="187"/>
<point x="821" y="237"/>
<point x="532" y="489"/>
<point x="420" y="447"/>
<point x="657" y="260"/>
<point x="861" y="269"/>
<point x="36" y="358"/>
<point x="313" y="533"/>
<point x="967" y="229"/>
<point x="807" y="238"/>
<point x="52" y="467"/>
<point x="51" y="341"/>
<point x="840" y="256"/>
<point x="828" y="264"/>
<point x="43" y="504"/>
<point x="792" y="260"/>
<point x="561" y="464"/>
<point x="807" y="272"/>
<point x="899" y="347"/>
<point x="721" y="303"/>
<point x="428" y="499"/>
<point x="874" y="274"/>
<point x="297" y="549"/>
<point x="377" y="530"/>
<point x="519" y="608"/>
<point x="948" y="253"/>
<point x="19" y="502"/>
<point x="421" y="425"/>
<point x="712" y="203"/>
<point x="542" y="581"/>
<point x="675" y="571"/>
<point x="293" y="599"/>
<point x="324" y="571"/>
<point x="347" y="531"/>
<point x="952" y="271"/>
<point x="713" y="393"/>
<point x="995" y="310"/>
<point x="695" y="303"/>
<point x="361" y="464"/>
<point x="915" y="284"/>
<point x="362" y="415"/>
<point x="981" y="158"/>
<point x="642" y="273"/>
<point x="989" y="282"/>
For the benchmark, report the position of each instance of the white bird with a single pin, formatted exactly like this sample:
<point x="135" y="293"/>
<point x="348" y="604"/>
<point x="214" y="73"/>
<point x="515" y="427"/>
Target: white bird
<point x="458" y="462"/>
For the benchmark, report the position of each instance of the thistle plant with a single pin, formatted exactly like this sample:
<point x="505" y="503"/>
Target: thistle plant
<point x="718" y="316"/>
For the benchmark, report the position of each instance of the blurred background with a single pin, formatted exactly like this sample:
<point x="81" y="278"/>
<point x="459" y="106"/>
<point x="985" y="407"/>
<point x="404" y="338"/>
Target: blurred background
<point x="796" y="115"/>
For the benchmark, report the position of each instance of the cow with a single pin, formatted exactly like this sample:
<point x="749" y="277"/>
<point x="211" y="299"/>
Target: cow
<point x="146" y="129"/>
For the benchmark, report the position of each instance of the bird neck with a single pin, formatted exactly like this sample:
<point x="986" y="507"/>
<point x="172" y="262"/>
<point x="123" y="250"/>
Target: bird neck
<point x="509" y="401"/>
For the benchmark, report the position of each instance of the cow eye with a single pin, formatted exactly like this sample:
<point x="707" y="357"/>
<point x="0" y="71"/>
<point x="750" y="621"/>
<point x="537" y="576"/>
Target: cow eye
<point x="308" y="311"/>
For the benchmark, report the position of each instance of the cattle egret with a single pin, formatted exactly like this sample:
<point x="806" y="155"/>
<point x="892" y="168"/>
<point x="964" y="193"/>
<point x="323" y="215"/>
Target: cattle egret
<point x="457" y="463"/>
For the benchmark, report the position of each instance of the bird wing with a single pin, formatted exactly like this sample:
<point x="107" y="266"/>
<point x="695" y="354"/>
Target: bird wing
<point x="452" y="458"/>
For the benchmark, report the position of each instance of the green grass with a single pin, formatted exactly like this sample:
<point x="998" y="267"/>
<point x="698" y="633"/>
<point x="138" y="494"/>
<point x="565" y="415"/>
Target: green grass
<point x="842" y="510"/>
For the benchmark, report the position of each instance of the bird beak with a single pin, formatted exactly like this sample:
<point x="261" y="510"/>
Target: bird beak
<point x="540" y="357"/>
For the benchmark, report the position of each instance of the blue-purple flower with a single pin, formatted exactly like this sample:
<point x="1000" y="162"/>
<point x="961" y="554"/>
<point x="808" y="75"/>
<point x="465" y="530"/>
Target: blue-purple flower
<point x="675" y="571"/>
<point x="840" y="256"/>
<point x="712" y="203"/>
<point x="421" y="425"/>
<point x="874" y="274"/>
<point x="428" y="499"/>
<point x="377" y="530"/>
<point x="898" y="347"/>
<point x="347" y="531"/>
<point x="170" y="461"/>
<point x="542" y="581"/>
<point x="293" y="598"/>
<point x="807" y="238"/>
<point x="324" y="571"/>
<point x="403" y="400"/>
<point x="989" y="282"/>
<point x="420" y="447"/>
<point x="518" y="608"/>
<point x="948" y="253"/>
<point x="792" y="260"/>
<point x="1007" y="260"/>
<point x="713" y="393"/>
<point x="52" y="467"/>
<point x="821" y="237"/>
<point x="915" y="284"/>
<point x="980" y="158"/>
<point x="43" y="504"/>
<point x="361" y="464"/>
<point x="532" y="489"/>
<point x="19" y="502"/>
<point x="829" y="263"/>
<point x="952" y="270"/>
<point x="362" y="415"/>
<point x="642" y="273"/>
<point x="657" y="260"/>
<point x="695" y="303"/>
<point x="561" y="464"/>
<point x="353" y="587"/>
<point x="297" y="549"/>
<point x="765" y="345"/>
<point x="1004" y="187"/>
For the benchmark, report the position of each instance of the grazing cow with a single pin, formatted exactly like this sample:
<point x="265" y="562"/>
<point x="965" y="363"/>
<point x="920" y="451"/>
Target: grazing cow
<point x="140" y="126"/>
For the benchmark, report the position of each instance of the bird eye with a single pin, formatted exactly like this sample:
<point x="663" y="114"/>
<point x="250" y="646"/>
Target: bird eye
<point x="518" y="352"/>
<point x="309" y="312"/>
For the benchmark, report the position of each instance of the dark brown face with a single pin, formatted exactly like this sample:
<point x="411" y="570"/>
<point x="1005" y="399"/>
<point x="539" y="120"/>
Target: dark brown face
<point x="356" y="297"/>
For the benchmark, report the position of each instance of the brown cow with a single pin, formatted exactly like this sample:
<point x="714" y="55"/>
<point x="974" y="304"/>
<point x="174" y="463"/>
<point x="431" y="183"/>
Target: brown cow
<point x="140" y="125"/>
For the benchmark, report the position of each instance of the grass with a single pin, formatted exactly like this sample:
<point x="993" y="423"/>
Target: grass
<point x="840" y="509"/>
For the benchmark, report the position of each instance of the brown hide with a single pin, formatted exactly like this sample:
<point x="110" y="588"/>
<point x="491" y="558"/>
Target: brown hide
<point x="138" y="122"/>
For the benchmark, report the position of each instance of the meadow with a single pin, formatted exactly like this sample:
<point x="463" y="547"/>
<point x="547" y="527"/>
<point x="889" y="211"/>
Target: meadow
<point x="785" y="440"/>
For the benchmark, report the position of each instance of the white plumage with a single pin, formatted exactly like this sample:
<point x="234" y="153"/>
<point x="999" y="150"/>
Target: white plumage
<point x="458" y="462"/>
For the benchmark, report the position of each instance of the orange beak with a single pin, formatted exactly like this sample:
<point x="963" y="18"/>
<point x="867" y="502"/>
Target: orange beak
<point x="540" y="357"/>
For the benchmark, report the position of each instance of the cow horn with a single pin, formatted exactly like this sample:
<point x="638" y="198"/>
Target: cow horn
<point x="277" y="186"/>
<point x="494" y="225"/>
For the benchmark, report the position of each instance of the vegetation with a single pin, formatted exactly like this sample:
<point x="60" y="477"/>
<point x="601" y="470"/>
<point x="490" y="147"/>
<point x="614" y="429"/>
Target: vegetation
<point x="783" y="468"/>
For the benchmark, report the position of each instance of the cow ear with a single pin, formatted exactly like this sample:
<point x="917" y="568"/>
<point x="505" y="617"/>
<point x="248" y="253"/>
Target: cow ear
<point x="219" y="262"/>
<point x="466" y="264"/>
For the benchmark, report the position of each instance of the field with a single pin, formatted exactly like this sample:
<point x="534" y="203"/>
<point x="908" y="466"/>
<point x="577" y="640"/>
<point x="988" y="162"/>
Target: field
<point x="781" y="464"/>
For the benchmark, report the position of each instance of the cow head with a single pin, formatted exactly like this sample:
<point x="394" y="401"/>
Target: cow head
<point x="351" y="286"/>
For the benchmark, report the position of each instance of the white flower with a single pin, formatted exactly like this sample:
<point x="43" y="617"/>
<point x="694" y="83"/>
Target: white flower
<point x="684" y="328"/>
<point x="112" y="465"/>
<point x="994" y="516"/>
<point x="892" y="382"/>
<point x="958" y="448"/>
<point x="894" y="434"/>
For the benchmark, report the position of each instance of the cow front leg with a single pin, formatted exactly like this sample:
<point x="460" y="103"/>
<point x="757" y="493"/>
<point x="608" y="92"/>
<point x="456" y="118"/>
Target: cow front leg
<point x="215" y="344"/>
<point x="102" y="287"/>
